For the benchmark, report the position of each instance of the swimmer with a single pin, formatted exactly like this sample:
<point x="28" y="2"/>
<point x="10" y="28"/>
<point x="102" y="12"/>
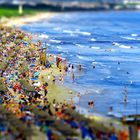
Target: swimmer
<point x="94" y="66"/>
<point x="72" y="66"/>
<point x="125" y="99"/>
<point x="80" y="67"/>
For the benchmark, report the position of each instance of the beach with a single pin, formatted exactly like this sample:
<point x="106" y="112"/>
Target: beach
<point x="107" y="49"/>
<point x="20" y="21"/>
<point x="33" y="87"/>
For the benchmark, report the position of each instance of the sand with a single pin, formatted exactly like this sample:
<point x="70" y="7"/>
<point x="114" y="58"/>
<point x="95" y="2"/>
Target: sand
<point x="20" y="21"/>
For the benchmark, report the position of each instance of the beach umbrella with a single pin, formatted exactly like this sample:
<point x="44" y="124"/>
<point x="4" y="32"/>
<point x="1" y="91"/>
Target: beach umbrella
<point x="22" y="101"/>
<point x="36" y="74"/>
<point x="34" y="78"/>
<point x="33" y="65"/>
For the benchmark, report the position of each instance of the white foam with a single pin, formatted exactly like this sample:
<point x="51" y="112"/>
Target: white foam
<point x="115" y="43"/>
<point x="108" y="77"/>
<point x="84" y="58"/>
<point x="58" y="47"/>
<point x="80" y="57"/>
<point x="96" y="48"/>
<point x="57" y="29"/>
<point x="124" y="47"/>
<point x="55" y="41"/>
<point x="67" y="31"/>
<point x="97" y="91"/>
<point x="43" y="36"/>
<point x="130" y="38"/>
<point x="134" y="35"/>
<point x="81" y="46"/>
<point x="83" y="33"/>
<point x="93" y="39"/>
<point x="98" y="63"/>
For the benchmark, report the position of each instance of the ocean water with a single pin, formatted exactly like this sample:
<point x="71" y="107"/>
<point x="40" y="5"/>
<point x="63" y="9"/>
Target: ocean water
<point x="108" y="40"/>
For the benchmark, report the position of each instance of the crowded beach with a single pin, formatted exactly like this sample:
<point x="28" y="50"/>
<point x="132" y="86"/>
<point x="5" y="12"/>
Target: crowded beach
<point x="34" y="102"/>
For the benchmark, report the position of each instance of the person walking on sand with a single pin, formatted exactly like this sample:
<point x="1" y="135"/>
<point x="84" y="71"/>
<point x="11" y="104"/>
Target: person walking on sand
<point x="73" y="77"/>
<point x="69" y="68"/>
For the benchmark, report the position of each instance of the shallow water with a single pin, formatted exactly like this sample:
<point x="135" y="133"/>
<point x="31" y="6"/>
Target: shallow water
<point x="102" y="39"/>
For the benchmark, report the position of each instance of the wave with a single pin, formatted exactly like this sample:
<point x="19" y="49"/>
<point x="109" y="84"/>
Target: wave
<point x="81" y="46"/>
<point x="57" y="29"/>
<point x="108" y="77"/>
<point x="93" y="39"/>
<point x="68" y="31"/>
<point x="43" y="36"/>
<point x="121" y="46"/>
<point x="55" y="41"/>
<point x="96" y="48"/>
<point x="83" y="33"/>
<point x="98" y="63"/>
<point x="134" y="35"/>
<point x="130" y="38"/>
<point x="86" y="58"/>
<point x="58" y="47"/>
<point x="124" y="47"/>
<point x="115" y="43"/>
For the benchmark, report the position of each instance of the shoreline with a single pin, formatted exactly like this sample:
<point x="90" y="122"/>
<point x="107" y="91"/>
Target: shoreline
<point x="60" y="92"/>
<point x="20" y="21"/>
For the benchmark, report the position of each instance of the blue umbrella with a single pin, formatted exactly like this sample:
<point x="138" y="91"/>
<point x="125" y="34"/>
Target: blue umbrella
<point x="36" y="74"/>
<point x="34" y="78"/>
<point x="32" y="65"/>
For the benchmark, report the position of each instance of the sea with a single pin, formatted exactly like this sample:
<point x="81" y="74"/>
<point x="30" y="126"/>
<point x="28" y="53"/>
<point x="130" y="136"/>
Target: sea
<point x="107" y="45"/>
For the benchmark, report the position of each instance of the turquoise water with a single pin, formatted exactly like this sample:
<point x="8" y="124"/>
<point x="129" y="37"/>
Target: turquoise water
<point x="108" y="40"/>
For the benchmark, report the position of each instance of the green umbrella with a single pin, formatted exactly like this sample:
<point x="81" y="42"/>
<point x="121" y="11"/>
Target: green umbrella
<point x="22" y="101"/>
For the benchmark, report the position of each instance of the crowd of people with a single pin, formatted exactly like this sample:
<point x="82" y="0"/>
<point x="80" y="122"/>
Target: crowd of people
<point x="24" y="93"/>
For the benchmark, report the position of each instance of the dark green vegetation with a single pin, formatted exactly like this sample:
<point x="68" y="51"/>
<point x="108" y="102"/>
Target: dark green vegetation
<point x="12" y="11"/>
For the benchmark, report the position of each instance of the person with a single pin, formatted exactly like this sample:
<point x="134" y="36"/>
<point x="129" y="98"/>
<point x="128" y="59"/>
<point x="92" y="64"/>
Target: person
<point x="72" y="67"/>
<point x="73" y="77"/>
<point x="110" y="113"/>
<point x="127" y="72"/>
<point x="90" y="104"/>
<point x="94" y="66"/>
<point x="49" y="77"/>
<point x="54" y="79"/>
<point x="69" y="68"/>
<point x="80" y="67"/>
<point x="125" y="99"/>
<point x="45" y="91"/>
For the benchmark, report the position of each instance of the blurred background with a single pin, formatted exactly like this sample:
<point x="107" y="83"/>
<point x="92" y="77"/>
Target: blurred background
<point x="70" y="5"/>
